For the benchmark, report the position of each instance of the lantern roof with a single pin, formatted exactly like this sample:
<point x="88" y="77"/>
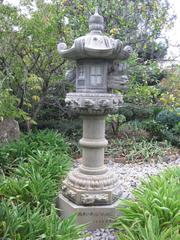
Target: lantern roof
<point x="95" y="44"/>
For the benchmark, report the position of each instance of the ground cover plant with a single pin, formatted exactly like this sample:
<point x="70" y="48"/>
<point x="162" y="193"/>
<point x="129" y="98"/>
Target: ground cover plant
<point x="138" y="134"/>
<point x="29" y="189"/>
<point x="13" y="153"/>
<point x="154" y="213"/>
<point x="130" y="150"/>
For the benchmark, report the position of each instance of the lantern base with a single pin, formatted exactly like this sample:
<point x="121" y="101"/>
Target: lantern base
<point x="93" y="216"/>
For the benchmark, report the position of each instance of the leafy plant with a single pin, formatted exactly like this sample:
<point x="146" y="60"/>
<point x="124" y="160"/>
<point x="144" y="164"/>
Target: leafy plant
<point x="8" y="106"/>
<point x="143" y="150"/>
<point x="28" y="145"/>
<point x="36" y="181"/>
<point x="173" y="135"/>
<point x="154" y="213"/>
<point x="154" y="127"/>
<point x="115" y="121"/>
<point x="171" y="89"/>
<point x="141" y="94"/>
<point x="162" y="131"/>
<point x="20" y="221"/>
<point x="169" y="118"/>
<point x="147" y="150"/>
<point x="29" y="190"/>
<point x="133" y="130"/>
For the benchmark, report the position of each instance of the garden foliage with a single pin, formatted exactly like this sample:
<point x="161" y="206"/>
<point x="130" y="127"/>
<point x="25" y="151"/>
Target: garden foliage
<point x="9" y="106"/>
<point x="154" y="213"/>
<point x="29" y="185"/>
<point x="31" y="66"/>
<point x="169" y="118"/>
<point x="29" y="145"/>
<point x="132" y="150"/>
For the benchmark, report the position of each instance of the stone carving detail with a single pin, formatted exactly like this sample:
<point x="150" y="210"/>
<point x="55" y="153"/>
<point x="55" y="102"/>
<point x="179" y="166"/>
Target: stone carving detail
<point x="94" y="103"/>
<point x="61" y="46"/>
<point x="104" y="103"/>
<point x="91" y="199"/>
<point x="117" y="78"/>
<point x="71" y="75"/>
<point x="68" y="192"/>
<point x="88" y="103"/>
<point x="95" y="53"/>
<point x="91" y="182"/>
<point x="91" y="189"/>
<point x="117" y="193"/>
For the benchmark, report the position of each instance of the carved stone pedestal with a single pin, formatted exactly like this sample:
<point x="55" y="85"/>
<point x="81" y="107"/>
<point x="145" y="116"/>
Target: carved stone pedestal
<point x="92" y="190"/>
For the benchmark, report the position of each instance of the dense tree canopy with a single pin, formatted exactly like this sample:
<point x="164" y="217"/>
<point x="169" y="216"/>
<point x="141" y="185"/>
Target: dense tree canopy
<point x="29" y="63"/>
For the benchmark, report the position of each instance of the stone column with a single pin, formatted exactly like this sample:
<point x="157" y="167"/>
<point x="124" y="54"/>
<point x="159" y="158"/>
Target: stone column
<point x="93" y="143"/>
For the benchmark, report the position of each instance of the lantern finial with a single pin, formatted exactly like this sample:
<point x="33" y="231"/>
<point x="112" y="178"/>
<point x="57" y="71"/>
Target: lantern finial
<point x="97" y="10"/>
<point x="96" y="21"/>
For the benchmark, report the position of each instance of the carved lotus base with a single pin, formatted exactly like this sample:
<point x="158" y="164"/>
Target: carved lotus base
<point x="94" y="103"/>
<point x="88" y="190"/>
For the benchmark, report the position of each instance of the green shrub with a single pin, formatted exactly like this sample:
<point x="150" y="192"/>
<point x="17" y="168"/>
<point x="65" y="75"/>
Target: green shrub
<point x="67" y="127"/>
<point x="127" y="111"/>
<point x="29" y="191"/>
<point x="163" y="132"/>
<point x="28" y="145"/>
<point x="133" y="130"/>
<point x="154" y="214"/>
<point x="132" y="111"/>
<point x="146" y="150"/>
<point x="115" y="121"/>
<point x="171" y="86"/>
<point x="169" y="118"/>
<point x="142" y="95"/>
<point x="37" y="180"/>
<point x="176" y="128"/>
<point x="8" y="105"/>
<point x="173" y="136"/>
<point x="20" y="221"/>
<point x="154" y="128"/>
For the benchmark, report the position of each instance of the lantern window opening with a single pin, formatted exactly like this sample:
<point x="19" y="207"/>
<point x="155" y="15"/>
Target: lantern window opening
<point x="96" y="75"/>
<point x="81" y="76"/>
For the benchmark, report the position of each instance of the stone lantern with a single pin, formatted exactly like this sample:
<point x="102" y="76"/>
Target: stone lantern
<point x="92" y="190"/>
